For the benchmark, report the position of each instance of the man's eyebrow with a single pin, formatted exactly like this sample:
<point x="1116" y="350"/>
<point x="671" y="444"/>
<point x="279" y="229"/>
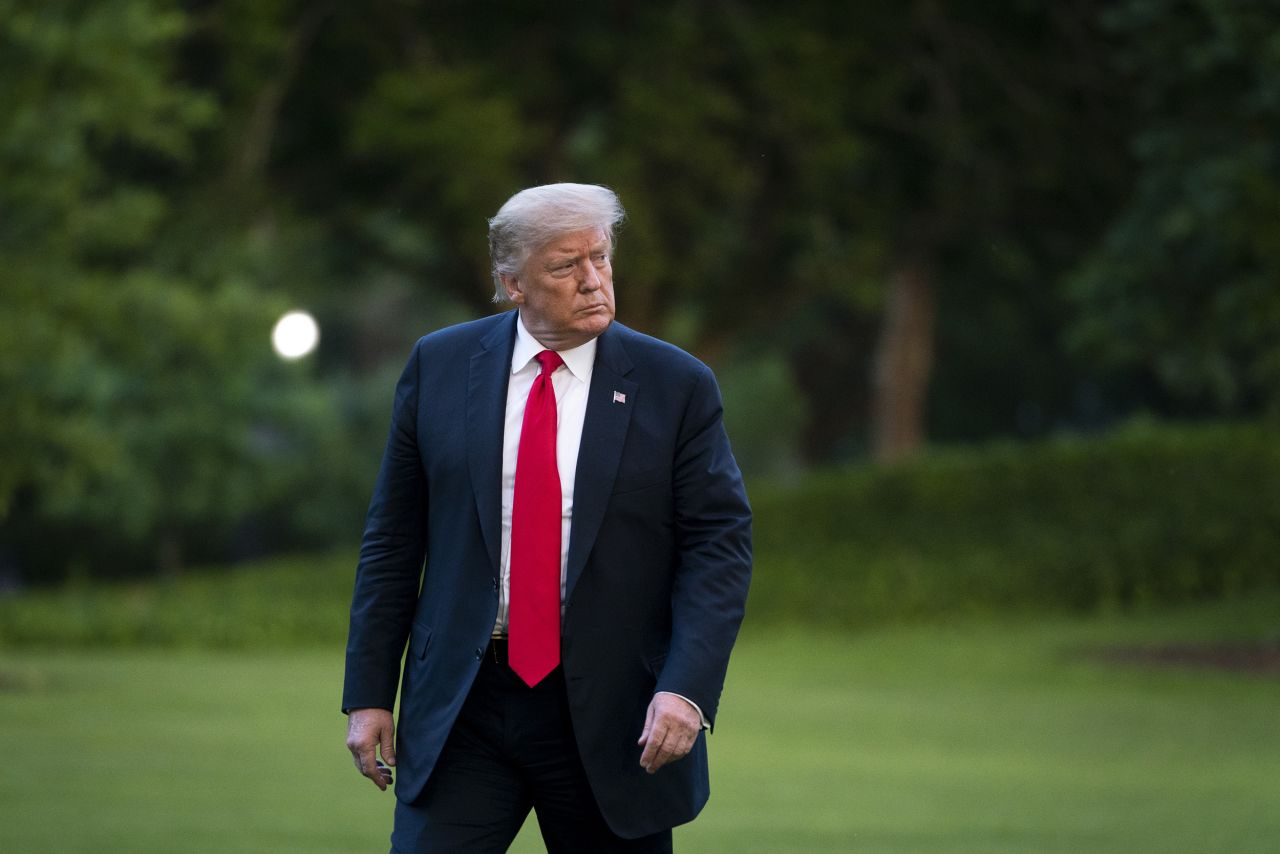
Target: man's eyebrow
<point x="564" y="252"/>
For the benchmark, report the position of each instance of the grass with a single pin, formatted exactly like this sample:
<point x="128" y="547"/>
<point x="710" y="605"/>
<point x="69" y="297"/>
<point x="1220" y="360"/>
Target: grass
<point x="977" y="736"/>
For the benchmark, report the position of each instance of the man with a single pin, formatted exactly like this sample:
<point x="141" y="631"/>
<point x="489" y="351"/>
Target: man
<point x="560" y="534"/>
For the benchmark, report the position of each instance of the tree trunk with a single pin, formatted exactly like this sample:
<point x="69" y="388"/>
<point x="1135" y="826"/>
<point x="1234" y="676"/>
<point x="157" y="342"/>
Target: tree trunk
<point x="902" y="363"/>
<point x="255" y="148"/>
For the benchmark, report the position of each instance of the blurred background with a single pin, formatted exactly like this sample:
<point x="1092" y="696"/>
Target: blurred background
<point x="885" y="227"/>
<point x="992" y="290"/>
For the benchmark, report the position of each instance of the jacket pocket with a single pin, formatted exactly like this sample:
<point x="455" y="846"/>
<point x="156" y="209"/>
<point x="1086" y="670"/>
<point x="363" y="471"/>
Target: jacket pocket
<point x="419" y="640"/>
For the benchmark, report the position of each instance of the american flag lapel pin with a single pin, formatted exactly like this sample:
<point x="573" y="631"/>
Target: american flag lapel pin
<point x="619" y="397"/>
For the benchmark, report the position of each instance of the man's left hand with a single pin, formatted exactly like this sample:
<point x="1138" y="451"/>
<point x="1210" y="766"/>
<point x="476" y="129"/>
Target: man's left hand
<point x="670" y="729"/>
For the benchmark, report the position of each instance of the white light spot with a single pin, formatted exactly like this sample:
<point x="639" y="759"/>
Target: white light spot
<point x="295" y="335"/>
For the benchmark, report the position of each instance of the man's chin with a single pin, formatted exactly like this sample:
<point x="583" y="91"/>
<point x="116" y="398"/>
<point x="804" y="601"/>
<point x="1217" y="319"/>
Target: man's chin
<point x="597" y="322"/>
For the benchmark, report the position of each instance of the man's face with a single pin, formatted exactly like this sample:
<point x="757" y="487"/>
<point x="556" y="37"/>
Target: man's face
<point x="565" y="290"/>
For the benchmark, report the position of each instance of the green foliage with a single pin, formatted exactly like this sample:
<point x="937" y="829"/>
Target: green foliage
<point x="79" y="89"/>
<point x="145" y="416"/>
<point x="1143" y="516"/>
<point x="1184" y="286"/>
<point x="148" y="418"/>
<point x="1148" y="515"/>
<point x="174" y="175"/>
<point x="81" y="84"/>
<point x="764" y="415"/>
<point x="282" y="603"/>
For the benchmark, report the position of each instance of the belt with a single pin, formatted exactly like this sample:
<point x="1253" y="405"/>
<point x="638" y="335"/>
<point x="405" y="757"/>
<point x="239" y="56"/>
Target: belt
<point x="496" y="655"/>
<point x="497" y="652"/>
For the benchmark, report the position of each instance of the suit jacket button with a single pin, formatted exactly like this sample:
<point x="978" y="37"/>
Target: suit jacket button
<point x="495" y="585"/>
<point x="479" y="654"/>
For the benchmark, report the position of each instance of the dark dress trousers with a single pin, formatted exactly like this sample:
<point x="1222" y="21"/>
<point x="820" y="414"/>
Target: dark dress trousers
<point x="658" y="567"/>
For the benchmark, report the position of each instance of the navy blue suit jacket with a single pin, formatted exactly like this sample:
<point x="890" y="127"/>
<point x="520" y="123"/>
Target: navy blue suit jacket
<point x="658" y="567"/>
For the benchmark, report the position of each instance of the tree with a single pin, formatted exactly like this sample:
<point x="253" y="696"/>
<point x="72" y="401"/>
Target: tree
<point x="1183" y="294"/>
<point x="135" y="381"/>
<point x="84" y="93"/>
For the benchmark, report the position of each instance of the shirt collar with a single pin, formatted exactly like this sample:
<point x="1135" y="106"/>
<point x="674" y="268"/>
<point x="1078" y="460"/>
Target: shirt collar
<point x="578" y="360"/>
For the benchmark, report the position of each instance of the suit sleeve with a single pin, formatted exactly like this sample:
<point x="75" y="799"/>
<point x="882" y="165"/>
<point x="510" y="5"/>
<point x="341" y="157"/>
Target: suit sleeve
<point x="713" y="553"/>
<point x="391" y="555"/>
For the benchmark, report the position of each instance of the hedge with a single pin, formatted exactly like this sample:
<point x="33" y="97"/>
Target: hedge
<point x="1148" y="514"/>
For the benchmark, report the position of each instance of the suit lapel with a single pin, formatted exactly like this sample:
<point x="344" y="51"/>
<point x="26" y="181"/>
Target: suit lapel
<point x="604" y="431"/>
<point x="486" y="415"/>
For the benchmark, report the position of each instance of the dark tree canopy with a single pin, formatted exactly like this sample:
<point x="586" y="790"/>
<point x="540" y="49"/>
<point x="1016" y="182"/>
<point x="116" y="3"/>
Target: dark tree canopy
<point x="881" y="224"/>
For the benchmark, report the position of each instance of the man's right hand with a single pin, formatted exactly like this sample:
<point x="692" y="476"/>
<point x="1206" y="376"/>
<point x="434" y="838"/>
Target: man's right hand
<point x="367" y="731"/>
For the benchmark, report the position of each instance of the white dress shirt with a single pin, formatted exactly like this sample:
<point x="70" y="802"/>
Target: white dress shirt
<point x="571" y="383"/>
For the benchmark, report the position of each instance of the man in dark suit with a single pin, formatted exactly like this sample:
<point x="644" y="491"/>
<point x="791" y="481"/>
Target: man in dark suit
<point x="560" y="535"/>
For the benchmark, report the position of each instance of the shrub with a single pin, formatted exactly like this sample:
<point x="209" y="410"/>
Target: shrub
<point x="285" y="602"/>
<point x="1144" y="516"/>
<point x="1148" y="514"/>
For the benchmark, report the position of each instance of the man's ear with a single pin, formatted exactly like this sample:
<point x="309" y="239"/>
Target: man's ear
<point x="512" y="286"/>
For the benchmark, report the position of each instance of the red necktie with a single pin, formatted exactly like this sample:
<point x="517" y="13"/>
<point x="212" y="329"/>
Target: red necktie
<point x="533" y="617"/>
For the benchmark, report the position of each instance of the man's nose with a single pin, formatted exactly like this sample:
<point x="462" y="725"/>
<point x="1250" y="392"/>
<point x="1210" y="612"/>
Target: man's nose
<point x="590" y="279"/>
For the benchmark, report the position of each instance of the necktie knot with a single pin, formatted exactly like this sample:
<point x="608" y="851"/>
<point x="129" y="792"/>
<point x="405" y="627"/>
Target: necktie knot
<point x="550" y="360"/>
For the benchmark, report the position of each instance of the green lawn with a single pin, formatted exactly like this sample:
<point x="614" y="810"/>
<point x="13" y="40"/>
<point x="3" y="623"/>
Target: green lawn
<point x="973" y="737"/>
